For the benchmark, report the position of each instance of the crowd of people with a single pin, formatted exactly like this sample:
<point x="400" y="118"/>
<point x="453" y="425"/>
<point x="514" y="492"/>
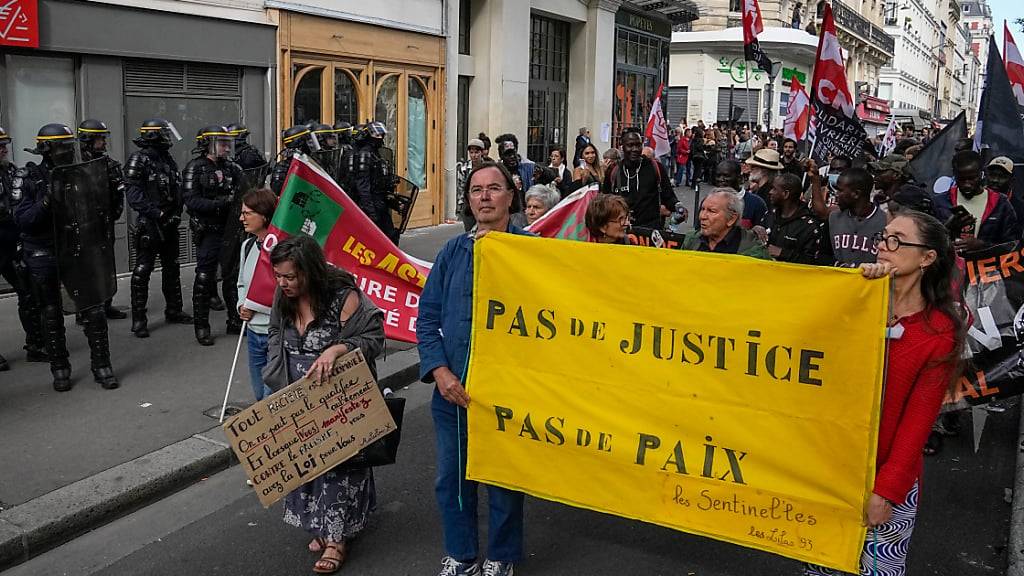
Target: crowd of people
<point x="767" y="202"/>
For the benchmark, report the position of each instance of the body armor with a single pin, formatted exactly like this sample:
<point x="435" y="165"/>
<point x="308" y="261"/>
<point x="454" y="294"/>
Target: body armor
<point x="153" y="184"/>
<point x="209" y="188"/>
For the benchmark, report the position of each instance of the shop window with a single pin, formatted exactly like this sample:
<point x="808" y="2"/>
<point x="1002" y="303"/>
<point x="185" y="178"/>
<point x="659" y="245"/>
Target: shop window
<point x="307" y="99"/>
<point x="346" y="97"/>
<point x="783" y="105"/>
<point x="416" y="128"/>
<point x="386" y="110"/>
<point x="42" y="90"/>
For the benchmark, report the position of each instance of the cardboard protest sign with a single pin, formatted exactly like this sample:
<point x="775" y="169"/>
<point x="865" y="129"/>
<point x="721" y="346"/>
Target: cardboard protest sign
<point x="994" y="294"/>
<point x="305" y="429"/>
<point x="713" y="415"/>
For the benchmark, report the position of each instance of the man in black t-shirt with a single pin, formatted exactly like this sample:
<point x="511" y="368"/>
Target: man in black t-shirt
<point x="644" y="184"/>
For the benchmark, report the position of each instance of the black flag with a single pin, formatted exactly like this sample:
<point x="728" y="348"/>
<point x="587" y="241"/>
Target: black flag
<point x="1000" y="131"/>
<point x="935" y="160"/>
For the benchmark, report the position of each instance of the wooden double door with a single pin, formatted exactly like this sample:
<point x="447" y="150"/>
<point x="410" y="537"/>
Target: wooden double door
<point x="404" y="98"/>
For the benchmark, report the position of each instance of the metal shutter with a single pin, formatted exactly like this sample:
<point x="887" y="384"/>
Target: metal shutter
<point x="165" y="77"/>
<point x="741" y="97"/>
<point x="678" y="100"/>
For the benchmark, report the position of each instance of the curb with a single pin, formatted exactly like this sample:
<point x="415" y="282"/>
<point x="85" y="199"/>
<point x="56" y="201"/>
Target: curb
<point x="52" y="519"/>
<point x="1015" y="558"/>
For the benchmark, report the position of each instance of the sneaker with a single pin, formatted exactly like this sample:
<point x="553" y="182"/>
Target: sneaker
<point x="493" y="568"/>
<point x="452" y="567"/>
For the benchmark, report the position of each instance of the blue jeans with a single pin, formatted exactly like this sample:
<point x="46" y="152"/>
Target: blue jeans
<point x="505" y="532"/>
<point x="257" y="360"/>
<point x="681" y="174"/>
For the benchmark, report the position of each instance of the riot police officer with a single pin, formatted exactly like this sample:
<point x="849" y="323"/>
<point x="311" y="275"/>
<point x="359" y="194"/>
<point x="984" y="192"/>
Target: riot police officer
<point x="93" y="135"/>
<point x="344" y="132"/>
<point x="154" y="193"/>
<point x="211" y="183"/>
<point x="369" y="177"/>
<point x="11" y="267"/>
<point x="246" y="155"/>
<point x="254" y="167"/>
<point x="52" y="243"/>
<point x="298" y="138"/>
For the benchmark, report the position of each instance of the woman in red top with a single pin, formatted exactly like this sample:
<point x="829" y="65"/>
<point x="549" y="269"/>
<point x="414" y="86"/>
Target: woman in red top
<point x="926" y="338"/>
<point x="683" y="157"/>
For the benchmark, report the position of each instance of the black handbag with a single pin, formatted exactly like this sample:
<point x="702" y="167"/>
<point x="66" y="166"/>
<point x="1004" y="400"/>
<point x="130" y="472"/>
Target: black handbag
<point x="384" y="451"/>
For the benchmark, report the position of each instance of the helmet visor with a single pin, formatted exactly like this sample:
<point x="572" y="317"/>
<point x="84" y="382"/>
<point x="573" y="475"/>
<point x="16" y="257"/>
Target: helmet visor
<point x="221" y="145"/>
<point x="171" y="133"/>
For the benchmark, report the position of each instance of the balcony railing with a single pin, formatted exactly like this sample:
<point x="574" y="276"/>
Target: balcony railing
<point x="849" y="19"/>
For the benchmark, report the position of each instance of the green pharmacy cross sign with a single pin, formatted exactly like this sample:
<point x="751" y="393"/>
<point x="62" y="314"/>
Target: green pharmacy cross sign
<point x="737" y="69"/>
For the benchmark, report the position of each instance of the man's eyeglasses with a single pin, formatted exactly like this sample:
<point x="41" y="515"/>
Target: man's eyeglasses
<point x="892" y="242"/>
<point x="478" y="191"/>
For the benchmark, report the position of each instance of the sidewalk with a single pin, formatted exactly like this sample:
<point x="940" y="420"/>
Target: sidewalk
<point x="74" y="460"/>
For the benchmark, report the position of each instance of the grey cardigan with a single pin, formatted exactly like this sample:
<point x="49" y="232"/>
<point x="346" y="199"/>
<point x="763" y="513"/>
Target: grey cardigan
<point x="363" y="330"/>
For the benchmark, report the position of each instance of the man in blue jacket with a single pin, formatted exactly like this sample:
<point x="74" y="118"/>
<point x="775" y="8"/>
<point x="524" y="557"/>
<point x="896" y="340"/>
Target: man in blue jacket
<point x="443" y="331"/>
<point x="991" y="217"/>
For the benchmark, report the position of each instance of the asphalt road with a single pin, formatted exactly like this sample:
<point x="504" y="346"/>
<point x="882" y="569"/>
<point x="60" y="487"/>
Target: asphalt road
<point x="217" y="527"/>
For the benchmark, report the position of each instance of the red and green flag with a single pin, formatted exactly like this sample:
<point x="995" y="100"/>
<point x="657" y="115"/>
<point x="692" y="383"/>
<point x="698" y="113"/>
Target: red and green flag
<point x="312" y="203"/>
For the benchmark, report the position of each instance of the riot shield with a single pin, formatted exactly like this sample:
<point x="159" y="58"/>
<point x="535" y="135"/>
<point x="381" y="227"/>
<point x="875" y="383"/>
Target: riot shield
<point x="257" y="177"/>
<point x="400" y="201"/>
<point x="329" y="160"/>
<point x="81" y="213"/>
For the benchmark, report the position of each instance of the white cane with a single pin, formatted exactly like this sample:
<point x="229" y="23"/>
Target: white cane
<point x="231" y="376"/>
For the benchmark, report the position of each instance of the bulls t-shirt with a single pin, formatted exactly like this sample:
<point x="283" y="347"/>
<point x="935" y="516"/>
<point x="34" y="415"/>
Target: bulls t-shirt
<point x="852" y="236"/>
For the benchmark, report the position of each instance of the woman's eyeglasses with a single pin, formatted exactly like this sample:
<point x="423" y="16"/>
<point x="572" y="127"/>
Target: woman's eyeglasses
<point x="892" y="242"/>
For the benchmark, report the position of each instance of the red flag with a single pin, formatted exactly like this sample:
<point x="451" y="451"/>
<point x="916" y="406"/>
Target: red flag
<point x="312" y="203"/>
<point x="798" y="114"/>
<point x="752" y="26"/>
<point x="1014" y="64"/>
<point x="567" y="219"/>
<point x="657" y="128"/>
<point x="835" y="128"/>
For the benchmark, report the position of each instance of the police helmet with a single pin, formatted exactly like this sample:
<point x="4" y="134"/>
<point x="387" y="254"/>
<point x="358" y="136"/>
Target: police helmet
<point x="296" y="136"/>
<point x="158" y="132"/>
<point x="90" y="130"/>
<point x="53" y="140"/>
<point x="240" y="132"/>
<point x="4" y="138"/>
<point x="344" y="131"/>
<point x="215" y="140"/>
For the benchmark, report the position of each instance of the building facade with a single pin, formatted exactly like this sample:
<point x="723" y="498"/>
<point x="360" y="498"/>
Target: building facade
<point x="977" y="17"/>
<point x="590" y="63"/>
<point x="103" y="60"/>
<point x="708" y="70"/>
<point x="910" y="81"/>
<point x="344" y="60"/>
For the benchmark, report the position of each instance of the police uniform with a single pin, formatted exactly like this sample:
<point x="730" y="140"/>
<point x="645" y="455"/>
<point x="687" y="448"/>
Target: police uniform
<point x="35" y="215"/>
<point x="296" y="139"/>
<point x="210" y="187"/>
<point x="154" y="193"/>
<point x="369" y="177"/>
<point x="13" y="269"/>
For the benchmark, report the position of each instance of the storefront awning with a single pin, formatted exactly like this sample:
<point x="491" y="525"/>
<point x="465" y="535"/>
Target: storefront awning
<point x="677" y="11"/>
<point x="873" y="110"/>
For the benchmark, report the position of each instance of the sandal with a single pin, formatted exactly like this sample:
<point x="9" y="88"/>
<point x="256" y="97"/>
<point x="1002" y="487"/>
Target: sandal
<point x="934" y="444"/>
<point x="329" y="562"/>
<point x="317" y="544"/>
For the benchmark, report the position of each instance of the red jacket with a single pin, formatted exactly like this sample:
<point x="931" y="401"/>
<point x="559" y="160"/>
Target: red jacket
<point x="683" y="151"/>
<point x="917" y="378"/>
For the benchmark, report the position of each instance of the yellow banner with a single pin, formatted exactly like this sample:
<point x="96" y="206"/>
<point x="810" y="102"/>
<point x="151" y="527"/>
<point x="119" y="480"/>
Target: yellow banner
<point x="717" y="395"/>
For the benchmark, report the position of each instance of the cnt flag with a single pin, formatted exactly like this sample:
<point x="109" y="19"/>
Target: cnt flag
<point x="835" y="128"/>
<point x="1014" y="65"/>
<point x="657" y="127"/>
<point x="798" y="114"/>
<point x="752" y="26"/>
<point x="888" y="143"/>
<point x="312" y="203"/>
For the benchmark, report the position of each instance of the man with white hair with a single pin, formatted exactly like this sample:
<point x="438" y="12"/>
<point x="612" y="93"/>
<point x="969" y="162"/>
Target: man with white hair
<point x="720" y="229"/>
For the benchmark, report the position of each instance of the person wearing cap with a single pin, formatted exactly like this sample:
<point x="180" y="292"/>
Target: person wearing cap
<point x="474" y="156"/>
<point x="522" y="170"/>
<point x="764" y="166"/>
<point x="893" y="185"/>
<point x="990" y="219"/>
<point x="642" y="182"/>
<point x="11" y="267"/>
<point x="727" y="175"/>
<point x="999" y="177"/>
